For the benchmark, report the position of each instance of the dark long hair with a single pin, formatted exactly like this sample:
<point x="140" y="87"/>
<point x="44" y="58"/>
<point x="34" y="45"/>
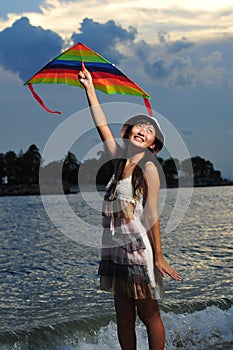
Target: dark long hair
<point x="139" y="182"/>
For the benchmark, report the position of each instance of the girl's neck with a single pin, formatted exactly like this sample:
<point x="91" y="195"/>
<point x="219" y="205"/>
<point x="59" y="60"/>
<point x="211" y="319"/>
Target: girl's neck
<point x="131" y="162"/>
<point x="135" y="159"/>
<point x="133" y="156"/>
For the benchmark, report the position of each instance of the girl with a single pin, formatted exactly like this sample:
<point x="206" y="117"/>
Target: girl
<point x="132" y="265"/>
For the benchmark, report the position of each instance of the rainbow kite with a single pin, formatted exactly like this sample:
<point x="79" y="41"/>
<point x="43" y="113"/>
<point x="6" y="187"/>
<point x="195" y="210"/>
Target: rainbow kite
<point x="106" y="77"/>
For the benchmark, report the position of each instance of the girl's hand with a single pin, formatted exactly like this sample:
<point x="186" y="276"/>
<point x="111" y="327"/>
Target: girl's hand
<point x="164" y="269"/>
<point x="85" y="77"/>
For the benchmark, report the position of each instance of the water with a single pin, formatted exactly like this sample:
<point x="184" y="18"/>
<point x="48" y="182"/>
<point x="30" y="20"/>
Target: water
<point x="49" y="297"/>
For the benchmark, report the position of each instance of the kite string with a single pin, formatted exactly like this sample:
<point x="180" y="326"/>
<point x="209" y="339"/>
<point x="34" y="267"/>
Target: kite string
<point x="37" y="97"/>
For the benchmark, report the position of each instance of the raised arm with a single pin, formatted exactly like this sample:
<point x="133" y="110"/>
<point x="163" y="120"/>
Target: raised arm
<point x="97" y="113"/>
<point x="151" y="214"/>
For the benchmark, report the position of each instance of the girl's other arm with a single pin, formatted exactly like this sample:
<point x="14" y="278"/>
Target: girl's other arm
<point x="151" y="211"/>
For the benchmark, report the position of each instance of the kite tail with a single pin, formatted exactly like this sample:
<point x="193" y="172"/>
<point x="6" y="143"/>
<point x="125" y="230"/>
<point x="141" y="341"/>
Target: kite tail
<point x="148" y="106"/>
<point x="40" y="100"/>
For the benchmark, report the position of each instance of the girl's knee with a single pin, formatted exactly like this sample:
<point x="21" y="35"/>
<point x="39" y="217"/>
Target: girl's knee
<point x="126" y="319"/>
<point x="150" y="319"/>
<point x="149" y="313"/>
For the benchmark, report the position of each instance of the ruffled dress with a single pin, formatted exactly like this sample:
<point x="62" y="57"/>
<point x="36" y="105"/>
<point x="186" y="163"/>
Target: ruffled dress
<point x="127" y="258"/>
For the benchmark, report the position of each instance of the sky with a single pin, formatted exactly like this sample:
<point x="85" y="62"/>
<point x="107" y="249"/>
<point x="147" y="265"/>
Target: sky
<point x="178" y="51"/>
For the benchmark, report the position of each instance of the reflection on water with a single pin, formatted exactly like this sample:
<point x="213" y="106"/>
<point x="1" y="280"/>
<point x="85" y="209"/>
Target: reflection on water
<point x="47" y="278"/>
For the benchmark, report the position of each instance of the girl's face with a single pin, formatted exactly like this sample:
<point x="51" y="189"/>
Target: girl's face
<point x="143" y="135"/>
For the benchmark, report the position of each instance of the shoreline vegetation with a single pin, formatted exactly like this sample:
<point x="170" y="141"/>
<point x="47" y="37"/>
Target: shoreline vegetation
<point x="20" y="174"/>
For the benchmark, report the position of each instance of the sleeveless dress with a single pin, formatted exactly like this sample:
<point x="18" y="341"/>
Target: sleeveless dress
<point x="127" y="258"/>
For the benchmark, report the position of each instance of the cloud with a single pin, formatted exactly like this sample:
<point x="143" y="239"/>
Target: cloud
<point x="175" y="63"/>
<point x="143" y="50"/>
<point x="170" y="62"/>
<point x="160" y="69"/>
<point x="213" y="57"/>
<point x="163" y="35"/>
<point x="105" y="37"/>
<point x="213" y="75"/>
<point x="184" y="19"/>
<point x="174" y="71"/>
<point x="188" y="131"/>
<point x="181" y="63"/>
<point x="178" y="46"/>
<point x="24" y="48"/>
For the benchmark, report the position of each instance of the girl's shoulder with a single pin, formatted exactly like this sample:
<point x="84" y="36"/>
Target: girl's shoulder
<point x="151" y="173"/>
<point x="150" y="167"/>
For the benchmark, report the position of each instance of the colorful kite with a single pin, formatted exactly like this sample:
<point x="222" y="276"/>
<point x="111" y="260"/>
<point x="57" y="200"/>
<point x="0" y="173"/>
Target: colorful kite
<point x="106" y="77"/>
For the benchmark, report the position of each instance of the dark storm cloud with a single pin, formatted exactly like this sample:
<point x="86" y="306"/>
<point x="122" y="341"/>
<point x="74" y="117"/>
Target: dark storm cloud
<point x="182" y="63"/>
<point x="103" y="37"/>
<point x="160" y="69"/>
<point x="178" y="46"/>
<point x="173" y="47"/>
<point x="176" y="72"/>
<point x="141" y="49"/>
<point x="171" y="62"/>
<point x="24" y="48"/>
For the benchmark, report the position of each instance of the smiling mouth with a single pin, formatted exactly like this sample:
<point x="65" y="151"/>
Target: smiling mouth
<point x="138" y="138"/>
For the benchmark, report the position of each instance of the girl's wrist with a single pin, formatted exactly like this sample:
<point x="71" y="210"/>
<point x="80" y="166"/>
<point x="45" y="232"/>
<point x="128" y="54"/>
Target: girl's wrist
<point x="90" y="88"/>
<point x="159" y="255"/>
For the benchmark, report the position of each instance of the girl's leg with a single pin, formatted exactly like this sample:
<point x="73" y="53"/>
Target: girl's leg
<point x="148" y="311"/>
<point x="126" y="316"/>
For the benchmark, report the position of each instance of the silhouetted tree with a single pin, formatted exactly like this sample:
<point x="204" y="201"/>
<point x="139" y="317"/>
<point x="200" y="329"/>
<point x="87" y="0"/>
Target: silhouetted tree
<point x="204" y="172"/>
<point x="3" y="168"/>
<point x="105" y="168"/>
<point x="201" y="170"/>
<point x="170" y="167"/>
<point x="186" y="170"/>
<point x="23" y="169"/>
<point x="28" y="165"/>
<point x="11" y="167"/>
<point x="51" y="172"/>
<point x="70" y="169"/>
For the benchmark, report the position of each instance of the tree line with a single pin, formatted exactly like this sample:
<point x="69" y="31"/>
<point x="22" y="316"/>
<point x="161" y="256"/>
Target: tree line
<point x="24" y="168"/>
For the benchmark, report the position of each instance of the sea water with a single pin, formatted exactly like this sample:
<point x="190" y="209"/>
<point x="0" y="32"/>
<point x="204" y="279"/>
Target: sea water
<point x="49" y="293"/>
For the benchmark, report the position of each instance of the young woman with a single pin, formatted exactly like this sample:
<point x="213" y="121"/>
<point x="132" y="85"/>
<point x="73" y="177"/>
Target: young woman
<point x="132" y="265"/>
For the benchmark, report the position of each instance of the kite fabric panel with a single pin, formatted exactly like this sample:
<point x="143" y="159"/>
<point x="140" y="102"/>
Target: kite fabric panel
<point x="106" y="77"/>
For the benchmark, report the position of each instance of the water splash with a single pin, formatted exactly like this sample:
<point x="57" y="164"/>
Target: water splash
<point x="211" y="328"/>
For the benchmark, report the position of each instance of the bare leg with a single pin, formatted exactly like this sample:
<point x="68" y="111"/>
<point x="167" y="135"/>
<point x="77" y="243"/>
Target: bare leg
<point x="126" y="316"/>
<point x="148" y="311"/>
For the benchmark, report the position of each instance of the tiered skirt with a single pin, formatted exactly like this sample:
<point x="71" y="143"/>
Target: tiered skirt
<point x="127" y="265"/>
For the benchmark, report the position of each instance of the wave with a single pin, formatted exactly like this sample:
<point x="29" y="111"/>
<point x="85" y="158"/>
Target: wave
<point x="205" y="329"/>
<point x="192" y="306"/>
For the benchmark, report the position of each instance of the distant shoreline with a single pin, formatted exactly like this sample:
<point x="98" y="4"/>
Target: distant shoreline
<point x="34" y="190"/>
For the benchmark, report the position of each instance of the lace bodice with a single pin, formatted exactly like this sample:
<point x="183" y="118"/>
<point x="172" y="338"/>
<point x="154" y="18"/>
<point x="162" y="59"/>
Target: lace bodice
<point x="124" y="190"/>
